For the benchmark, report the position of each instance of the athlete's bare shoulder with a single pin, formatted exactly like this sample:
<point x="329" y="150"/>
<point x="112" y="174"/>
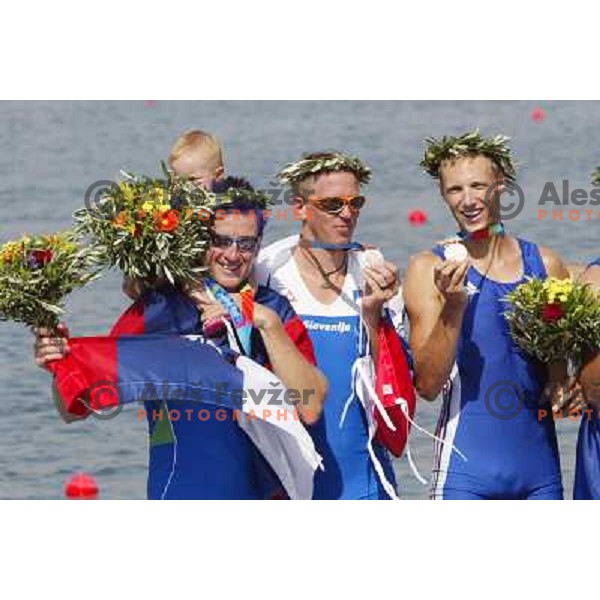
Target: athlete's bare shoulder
<point x="555" y="266"/>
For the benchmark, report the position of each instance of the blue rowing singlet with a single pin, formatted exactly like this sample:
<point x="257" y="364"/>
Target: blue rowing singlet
<point x="587" y="463"/>
<point x="198" y="451"/>
<point x="349" y="473"/>
<point x="491" y="410"/>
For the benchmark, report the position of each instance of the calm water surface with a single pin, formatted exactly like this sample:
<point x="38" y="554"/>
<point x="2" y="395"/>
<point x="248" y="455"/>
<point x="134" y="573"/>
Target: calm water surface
<point x="52" y="151"/>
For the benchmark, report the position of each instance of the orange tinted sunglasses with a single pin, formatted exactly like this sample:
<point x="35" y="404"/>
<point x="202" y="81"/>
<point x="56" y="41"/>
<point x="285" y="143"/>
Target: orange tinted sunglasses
<point x="335" y="205"/>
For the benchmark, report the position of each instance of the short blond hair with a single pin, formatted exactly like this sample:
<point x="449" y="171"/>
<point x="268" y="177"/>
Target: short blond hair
<point x="197" y="140"/>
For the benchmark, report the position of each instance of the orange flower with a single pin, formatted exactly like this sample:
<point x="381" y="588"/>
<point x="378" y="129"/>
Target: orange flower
<point x="166" y="220"/>
<point x="120" y="220"/>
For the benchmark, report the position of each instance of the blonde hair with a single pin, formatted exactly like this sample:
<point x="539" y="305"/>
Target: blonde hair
<point x="197" y="140"/>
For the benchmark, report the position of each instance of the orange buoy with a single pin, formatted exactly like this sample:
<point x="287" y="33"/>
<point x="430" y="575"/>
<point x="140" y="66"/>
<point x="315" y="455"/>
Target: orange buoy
<point x="81" y="487"/>
<point x="417" y="217"/>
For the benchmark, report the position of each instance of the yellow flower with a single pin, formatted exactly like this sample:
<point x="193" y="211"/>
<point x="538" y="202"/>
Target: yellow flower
<point x="162" y="197"/>
<point x="158" y="198"/>
<point x="69" y="247"/>
<point x="11" y="250"/>
<point x="560" y="288"/>
<point x="8" y="255"/>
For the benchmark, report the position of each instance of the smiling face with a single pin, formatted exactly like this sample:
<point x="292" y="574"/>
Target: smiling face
<point x="324" y="227"/>
<point x="230" y="266"/>
<point x="464" y="183"/>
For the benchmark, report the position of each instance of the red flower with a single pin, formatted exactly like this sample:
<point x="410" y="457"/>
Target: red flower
<point x="553" y="313"/>
<point x="167" y="220"/>
<point x="41" y="257"/>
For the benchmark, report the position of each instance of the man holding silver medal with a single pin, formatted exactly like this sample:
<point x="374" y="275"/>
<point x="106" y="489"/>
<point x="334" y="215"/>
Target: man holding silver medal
<point x="460" y="339"/>
<point x="343" y="293"/>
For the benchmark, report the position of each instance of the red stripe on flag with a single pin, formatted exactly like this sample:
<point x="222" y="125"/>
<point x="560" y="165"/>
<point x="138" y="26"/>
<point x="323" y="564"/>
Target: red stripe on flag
<point x="131" y="322"/>
<point x="85" y="377"/>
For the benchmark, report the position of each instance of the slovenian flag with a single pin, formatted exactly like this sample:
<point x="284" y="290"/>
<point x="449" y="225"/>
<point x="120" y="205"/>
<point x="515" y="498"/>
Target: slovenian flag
<point x="101" y="373"/>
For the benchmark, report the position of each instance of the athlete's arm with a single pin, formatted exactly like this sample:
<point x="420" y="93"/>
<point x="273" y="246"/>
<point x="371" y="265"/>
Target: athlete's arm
<point x="576" y="270"/>
<point x="435" y="302"/>
<point x="288" y="363"/>
<point x="555" y="266"/>
<point x="590" y="374"/>
<point x="50" y="346"/>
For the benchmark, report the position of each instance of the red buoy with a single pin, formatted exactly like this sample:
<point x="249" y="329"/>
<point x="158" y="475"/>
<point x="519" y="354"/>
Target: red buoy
<point x="538" y="115"/>
<point x="150" y="102"/>
<point x="81" y="487"/>
<point x="417" y="217"/>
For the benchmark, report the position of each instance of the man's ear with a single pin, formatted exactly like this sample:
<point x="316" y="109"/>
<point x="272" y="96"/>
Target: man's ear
<point x="493" y="198"/>
<point x="441" y="188"/>
<point x="500" y="186"/>
<point x="299" y="206"/>
<point x="219" y="172"/>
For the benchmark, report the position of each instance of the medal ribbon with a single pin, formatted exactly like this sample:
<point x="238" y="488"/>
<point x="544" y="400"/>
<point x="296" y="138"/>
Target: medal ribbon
<point x="241" y="317"/>
<point x="482" y="234"/>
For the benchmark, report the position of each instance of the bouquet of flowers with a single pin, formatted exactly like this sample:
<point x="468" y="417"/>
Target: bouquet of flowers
<point x="149" y="228"/>
<point x="554" y="319"/>
<point x="37" y="273"/>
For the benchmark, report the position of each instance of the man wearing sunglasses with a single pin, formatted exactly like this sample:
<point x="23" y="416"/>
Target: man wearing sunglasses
<point x="214" y="459"/>
<point x="278" y="339"/>
<point x="340" y="298"/>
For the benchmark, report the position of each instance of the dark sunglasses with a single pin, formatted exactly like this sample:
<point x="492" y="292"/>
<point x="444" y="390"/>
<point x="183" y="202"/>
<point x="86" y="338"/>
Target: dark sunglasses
<point x="335" y="205"/>
<point x="245" y="243"/>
